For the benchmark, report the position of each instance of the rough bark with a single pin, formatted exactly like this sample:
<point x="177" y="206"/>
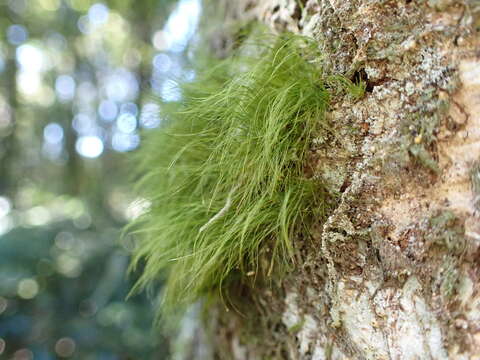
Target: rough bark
<point x="394" y="271"/>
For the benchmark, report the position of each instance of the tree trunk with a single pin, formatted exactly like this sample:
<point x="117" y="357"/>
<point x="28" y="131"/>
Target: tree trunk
<point x="394" y="271"/>
<point x="8" y="125"/>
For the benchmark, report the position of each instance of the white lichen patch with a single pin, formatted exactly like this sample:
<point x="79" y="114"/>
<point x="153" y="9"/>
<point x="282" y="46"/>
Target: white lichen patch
<point x="321" y="352"/>
<point x="360" y="322"/>
<point x="311" y="340"/>
<point x="412" y="331"/>
<point x="307" y="334"/>
<point x="291" y="316"/>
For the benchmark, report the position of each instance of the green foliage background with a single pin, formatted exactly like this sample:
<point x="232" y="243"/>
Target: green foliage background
<point x="62" y="268"/>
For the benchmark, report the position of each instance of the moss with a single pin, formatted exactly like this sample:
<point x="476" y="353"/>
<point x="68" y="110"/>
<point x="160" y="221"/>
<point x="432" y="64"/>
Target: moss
<point x="446" y="231"/>
<point x="446" y="234"/>
<point x="356" y="90"/>
<point x="421" y="154"/>
<point x="226" y="173"/>
<point x="296" y="327"/>
<point x="449" y="278"/>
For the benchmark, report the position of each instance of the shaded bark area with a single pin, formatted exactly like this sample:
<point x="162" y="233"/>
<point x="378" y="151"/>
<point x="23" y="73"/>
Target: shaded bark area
<point x="394" y="271"/>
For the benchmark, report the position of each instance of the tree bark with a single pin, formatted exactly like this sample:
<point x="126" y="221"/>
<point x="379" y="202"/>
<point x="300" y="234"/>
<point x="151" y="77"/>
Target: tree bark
<point x="394" y="271"/>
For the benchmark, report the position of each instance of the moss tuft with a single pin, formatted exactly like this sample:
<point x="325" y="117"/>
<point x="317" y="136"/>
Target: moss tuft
<point x="226" y="173"/>
<point x="356" y="90"/>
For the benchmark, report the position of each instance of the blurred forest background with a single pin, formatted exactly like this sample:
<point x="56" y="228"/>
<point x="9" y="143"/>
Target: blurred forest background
<point x="78" y="79"/>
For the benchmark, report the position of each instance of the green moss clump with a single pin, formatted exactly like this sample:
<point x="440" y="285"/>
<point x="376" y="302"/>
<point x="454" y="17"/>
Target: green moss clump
<point x="447" y="231"/>
<point x="226" y="173"/>
<point x="356" y="90"/>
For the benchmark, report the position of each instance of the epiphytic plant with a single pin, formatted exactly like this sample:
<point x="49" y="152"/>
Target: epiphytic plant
<point x="226" y="171"/>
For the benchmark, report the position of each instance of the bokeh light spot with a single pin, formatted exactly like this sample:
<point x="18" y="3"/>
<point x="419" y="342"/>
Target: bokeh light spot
<point x="6" y="224"/>
<point x="89" y="146"/>
<point x="189" y="75"/>
<point x="125" y="142"/>
<point x="30" y="58"/>
<point x="87" y="92"/>
<point x="17" y="34"/>
<point x="23" y="354"/>
<point x="29" y="83"/>
<point x="121" y="85"/>
<point x="170" y="91"/>
<point x="65" y="240"/>
<point x="65" y="87"/>
<point x="159" y="40"/>
<point x="50" y="5"/>
<point x="56" y="41"/>
<point x="54" y="152"/>
<point x="108" y="110"/>
<point x="65" y="347"/>
<point x="84" y="25"/>
<point x="69" y="266"/>
<point x="37" y="216"/>
<point x="181" y="24"/>
<point x="114" y="314"/>
<point x="27" y="288"/>
<point x="53" y="133"/>
<point x="5" y="206"/>
<point x="162" y="62"/>
<point x="79" y="5"/>
<point x="149" y="117"/>
<point x="130" y="108"/>
<point x="127" y="123"/>
<point x="98" y="14"/>
<point x="17" y="6"/>
<point x="83" y="123"/>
